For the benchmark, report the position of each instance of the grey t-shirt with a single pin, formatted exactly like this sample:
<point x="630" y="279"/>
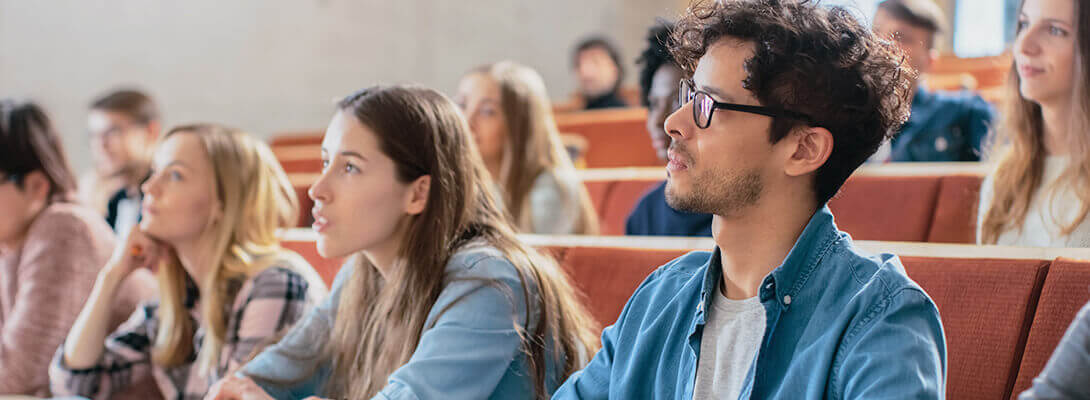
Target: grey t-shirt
<point x="733" y="331"/>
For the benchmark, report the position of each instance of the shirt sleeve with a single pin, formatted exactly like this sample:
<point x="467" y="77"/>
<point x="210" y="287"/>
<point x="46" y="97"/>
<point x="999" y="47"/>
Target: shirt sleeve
<point x="554" y="208"/>
<point x="278" y="298"/>
<point x="126" y="358"/>
<point x="1068" y="371"/>
<point x="900" y="353"/>
<point x="472" y="340"/>
<point x="294" y="367"/>
<point x="54" y="278"/>
<point x="593" y="381"/>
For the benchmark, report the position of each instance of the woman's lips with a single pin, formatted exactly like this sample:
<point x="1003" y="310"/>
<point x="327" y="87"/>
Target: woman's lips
<point x="321" y="223"/>
<point x="1026" y="71"/>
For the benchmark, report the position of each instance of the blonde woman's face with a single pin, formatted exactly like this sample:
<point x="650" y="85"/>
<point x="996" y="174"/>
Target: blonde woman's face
<point x="179" y="198"/>
<point x="359" y="204"/>
<point x="1044" y="50"/>
<point x="479" y="98"/>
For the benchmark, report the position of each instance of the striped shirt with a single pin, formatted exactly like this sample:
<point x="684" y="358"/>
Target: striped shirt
<point x="266" y="304"/>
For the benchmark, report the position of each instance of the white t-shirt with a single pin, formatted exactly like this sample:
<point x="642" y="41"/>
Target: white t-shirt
<point x="733" y="332"/>
<point x="1048" y="212"/>
<point x="128" y="215"/>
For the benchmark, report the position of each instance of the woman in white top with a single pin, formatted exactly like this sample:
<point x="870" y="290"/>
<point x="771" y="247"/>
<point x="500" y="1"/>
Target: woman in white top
<point x="1039" y="193"/>
<point x="512" y="121"/>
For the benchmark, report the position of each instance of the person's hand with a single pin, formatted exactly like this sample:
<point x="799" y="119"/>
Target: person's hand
<point x="138" y="251"/>
<point x="236" y="388"/>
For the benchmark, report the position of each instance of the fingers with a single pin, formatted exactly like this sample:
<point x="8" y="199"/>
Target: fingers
<point x="236" y="388"/>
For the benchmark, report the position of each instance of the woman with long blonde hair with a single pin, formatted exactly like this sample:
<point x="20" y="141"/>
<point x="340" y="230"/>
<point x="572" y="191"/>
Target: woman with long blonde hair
<point x="440" y="299"/>
<point x="210" y="213"/>
<point x="1039" y="193"/>
<point x="512" y="122"/>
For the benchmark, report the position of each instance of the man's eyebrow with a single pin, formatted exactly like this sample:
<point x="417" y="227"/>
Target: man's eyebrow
<point x="718" y="93"/>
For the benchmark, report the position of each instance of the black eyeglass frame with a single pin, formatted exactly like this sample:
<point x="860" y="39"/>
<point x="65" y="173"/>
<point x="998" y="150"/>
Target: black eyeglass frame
<point x="759" y="110"/>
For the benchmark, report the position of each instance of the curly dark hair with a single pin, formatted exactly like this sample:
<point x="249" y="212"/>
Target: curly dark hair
<point x="654" y="56"/>
<point x="816" y="60"/>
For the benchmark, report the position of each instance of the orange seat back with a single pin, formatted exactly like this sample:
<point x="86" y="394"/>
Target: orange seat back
<point x="986" y="306"/>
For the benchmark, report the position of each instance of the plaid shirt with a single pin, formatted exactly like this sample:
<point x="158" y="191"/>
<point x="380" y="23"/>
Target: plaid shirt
<point x="268" y="303"/>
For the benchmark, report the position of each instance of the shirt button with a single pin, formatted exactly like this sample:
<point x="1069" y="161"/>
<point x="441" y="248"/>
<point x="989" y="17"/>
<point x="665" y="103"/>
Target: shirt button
<point x="787" y="299"/>
<point x="768" y="286"/>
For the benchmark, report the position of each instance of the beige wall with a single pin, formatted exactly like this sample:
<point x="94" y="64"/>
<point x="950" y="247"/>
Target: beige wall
<point x="274" y="65"/>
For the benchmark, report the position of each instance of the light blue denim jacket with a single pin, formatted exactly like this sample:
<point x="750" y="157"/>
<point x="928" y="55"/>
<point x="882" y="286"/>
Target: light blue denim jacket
<point x="469" y="351"/>
<point x="840" y="325"/>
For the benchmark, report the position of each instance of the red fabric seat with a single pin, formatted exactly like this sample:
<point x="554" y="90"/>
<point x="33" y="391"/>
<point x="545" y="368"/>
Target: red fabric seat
<point x="607" y="277"/>
<point x="297" y="138"/>
<point x="888" y="208"/>
<point x="301" y="166"/>
<point x="599" y="192"/>
<point x="621" y="199"/>
<point x="986" y="306"/>
<point x="1066" y="290"/>
<point x="954" y="219"/>
<point x="327" y="268"/>
<point x="613" y="142"/>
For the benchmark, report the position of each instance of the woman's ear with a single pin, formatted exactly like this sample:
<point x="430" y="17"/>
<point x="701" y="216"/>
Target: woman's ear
<point x="417" y="199"/>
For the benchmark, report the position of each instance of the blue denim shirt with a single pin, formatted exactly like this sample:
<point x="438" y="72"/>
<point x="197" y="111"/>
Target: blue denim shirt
<point x="469" y="348"/>
<point x="943" y="126"/>
<point x="840" y="325"/>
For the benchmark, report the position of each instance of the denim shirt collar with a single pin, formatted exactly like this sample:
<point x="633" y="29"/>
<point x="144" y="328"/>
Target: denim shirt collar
<point x="784" y="283"/>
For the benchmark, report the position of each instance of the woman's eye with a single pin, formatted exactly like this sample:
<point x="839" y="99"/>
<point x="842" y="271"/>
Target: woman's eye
<point x="349" y="168"/>
<point x="175" y="176"/>
<point x="1056" y="31"/>
<point x="1021" y="26"/>
<point x="325" y="164"/>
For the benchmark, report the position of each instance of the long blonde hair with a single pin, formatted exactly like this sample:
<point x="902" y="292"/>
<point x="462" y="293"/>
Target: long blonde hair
<point x="380" y="320"/>
<point x="533" y="146"/>
<point x="1020" y="148"/>
<point x="257" y="199"/>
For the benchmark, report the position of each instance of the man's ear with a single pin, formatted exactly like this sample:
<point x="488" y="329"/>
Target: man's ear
<point x="417" y="199"/>
<point x="813" y="145"/>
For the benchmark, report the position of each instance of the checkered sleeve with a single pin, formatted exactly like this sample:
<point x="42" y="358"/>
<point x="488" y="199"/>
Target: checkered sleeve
<point x="125" y="359"/>
<point x="274" y="301"/>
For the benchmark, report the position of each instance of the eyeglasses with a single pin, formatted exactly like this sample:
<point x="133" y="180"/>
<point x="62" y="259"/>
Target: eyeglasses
<point x="704" y="106"/>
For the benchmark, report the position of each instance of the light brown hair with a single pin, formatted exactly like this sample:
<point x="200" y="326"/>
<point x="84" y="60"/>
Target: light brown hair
<point x="380" y="320"/>
<point x="1020" y="148"/>
<point x="257" y="199"/>
<point x="533" y="146"/>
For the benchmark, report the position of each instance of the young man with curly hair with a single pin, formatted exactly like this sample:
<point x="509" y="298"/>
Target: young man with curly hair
<point x="786" y="98"/>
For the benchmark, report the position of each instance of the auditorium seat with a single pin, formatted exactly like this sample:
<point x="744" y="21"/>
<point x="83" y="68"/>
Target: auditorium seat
<point x="615" y="137"/>
<point x="1003" y="309"/>
<point x="327" y="268"/>
<point x="607" y="277"/>
<point x="1065" y="291"/>
<point x="954" y="219"/>
<point x="890" y="208"/>
<point x="622" y="198"/>
<point x="297" y="138"/>
<point x="986" y="306"/>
